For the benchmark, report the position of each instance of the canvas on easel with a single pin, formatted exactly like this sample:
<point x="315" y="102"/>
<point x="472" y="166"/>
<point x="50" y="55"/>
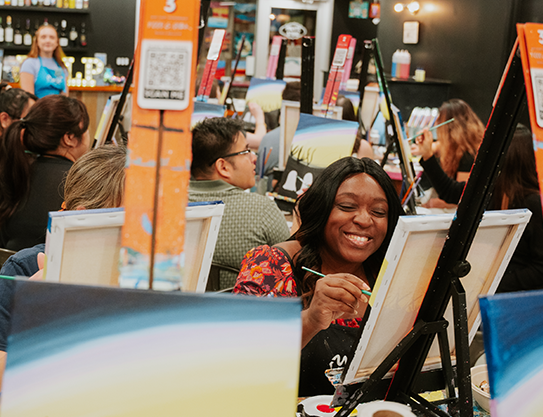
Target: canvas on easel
<point x="289" y="119"/>
<point x="83" y="246"/>
<point x="513" y="335"/>
<point x="406" y="272"/>
<point x="98" y="351"/>
<point x="204" y="110"/>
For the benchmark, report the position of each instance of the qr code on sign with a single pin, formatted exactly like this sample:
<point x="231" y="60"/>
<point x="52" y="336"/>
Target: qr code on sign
<point x="538" y="94"/>
<point x="166" y="74"/>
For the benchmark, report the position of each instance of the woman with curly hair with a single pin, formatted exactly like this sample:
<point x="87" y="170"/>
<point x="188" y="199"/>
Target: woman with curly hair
<point x="347" y="218"/>
<point x="458" y="142"/>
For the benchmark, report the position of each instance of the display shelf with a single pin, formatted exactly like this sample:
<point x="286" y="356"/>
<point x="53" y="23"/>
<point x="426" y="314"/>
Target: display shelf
<point x="37" y="9"/>
<point x="26" y="49"/>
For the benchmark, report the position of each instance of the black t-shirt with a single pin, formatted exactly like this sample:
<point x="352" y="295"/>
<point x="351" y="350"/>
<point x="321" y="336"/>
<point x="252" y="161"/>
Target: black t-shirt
<point x="28" y="225"/>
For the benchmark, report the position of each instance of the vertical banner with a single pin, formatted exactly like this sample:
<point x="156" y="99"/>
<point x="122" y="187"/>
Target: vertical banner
<point x="336" y="75"/>
<point x="531" y="51"/>
<point x="159" y="151"/>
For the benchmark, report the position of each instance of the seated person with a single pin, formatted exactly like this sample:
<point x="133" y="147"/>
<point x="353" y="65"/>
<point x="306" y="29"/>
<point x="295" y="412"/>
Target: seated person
<point x="14" y="104"/>
<point x="457" y="142"/>
<point x="96" y="180"/>
<point x="223" y="167"/>
<point x="347" y="219"/>
<point x="36" y="152"/>
<point x="516" y="187"/>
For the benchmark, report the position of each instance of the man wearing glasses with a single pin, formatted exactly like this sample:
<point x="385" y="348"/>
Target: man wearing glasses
<point x="223" y="167"/>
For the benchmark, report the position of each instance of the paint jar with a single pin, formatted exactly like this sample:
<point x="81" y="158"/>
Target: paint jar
<point x="395" y="64"/>
<point x="420" y="75"/>
<point x="405" y="64"/>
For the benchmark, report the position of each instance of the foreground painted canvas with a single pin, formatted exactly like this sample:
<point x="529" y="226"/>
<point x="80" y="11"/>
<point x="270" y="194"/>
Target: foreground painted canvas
<point x="98" y="351"/>
<point x="513" y="334"/>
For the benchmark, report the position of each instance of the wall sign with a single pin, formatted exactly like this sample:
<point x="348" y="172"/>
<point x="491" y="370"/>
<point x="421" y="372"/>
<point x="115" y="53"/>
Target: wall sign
<point x="293" y="30"/>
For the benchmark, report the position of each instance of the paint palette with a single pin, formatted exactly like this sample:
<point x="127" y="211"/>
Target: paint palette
<point x="319" y="406"/>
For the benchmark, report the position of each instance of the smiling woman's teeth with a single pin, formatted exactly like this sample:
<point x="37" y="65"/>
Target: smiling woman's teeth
<point x="357" y="238"/>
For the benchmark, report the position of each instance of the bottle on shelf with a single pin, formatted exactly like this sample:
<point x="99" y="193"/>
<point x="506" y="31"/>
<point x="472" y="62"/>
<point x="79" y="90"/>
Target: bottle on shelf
<point x="8" y="31"/>
<point x="56" y="26"/>
<point x="21" y="3"/>
<point x="40" y="3"/>
<point x="7" y="2"/>
<point x="66" y="4"/>
<point x="78" y="4"/>
<point x="63" y="36"/>
<point x="1" y="31"/>
<point x="28" y="3"/>
<point x="37" y="25"/>
<point x="2" y="3"/>
<point x="83" y="36"/>
<point x="72" y="4"/>
<point x="85" y="4"/>
<point x="47" y="3"/>
<point x="17" y="34"/>
<point x="73" y="37"/>
<point x="27" y="37"/>
<point x="34" y="2"/>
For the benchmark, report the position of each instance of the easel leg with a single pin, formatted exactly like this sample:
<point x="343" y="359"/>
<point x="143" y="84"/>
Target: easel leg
<point x="461" y="336"/>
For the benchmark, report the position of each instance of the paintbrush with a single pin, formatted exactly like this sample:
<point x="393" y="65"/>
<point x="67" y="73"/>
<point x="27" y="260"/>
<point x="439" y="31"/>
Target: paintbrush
<point x="322" y="275"/>
<point x="431" y="129"/>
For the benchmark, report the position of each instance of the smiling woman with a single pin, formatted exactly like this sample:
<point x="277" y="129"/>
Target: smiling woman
<point x="347" y="219"/>
<point x="43" y="72"/>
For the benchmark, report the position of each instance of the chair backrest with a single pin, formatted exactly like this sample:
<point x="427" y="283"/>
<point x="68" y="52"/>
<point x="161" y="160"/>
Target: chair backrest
<point x="4" y="255"/>
<point x="214" y="280"/>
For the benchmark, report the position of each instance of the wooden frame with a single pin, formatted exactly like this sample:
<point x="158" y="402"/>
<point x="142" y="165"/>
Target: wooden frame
<point x="83" y="246"/>
<point x="406" y="272"/>
<point x="290" y="116"/>
<point x="203" y="221"/>
<point x="105" y="120"/>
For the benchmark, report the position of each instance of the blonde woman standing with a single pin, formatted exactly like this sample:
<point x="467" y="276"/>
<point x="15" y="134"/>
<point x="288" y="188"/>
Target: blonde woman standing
<point x="43" y="73"/>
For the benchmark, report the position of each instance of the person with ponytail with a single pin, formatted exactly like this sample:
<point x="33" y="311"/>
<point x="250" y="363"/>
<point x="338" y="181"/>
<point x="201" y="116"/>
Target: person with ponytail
<point x="35" y="154"/>
<point x="14" y="104"/>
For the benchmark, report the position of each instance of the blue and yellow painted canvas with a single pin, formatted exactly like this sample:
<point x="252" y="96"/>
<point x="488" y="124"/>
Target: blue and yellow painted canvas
<point x="513" y="335"/>
<point x="206" y="111"/>
<point x="266" y="93"/>
<point x="319" y="141"/>
<point x="90" y="351"/>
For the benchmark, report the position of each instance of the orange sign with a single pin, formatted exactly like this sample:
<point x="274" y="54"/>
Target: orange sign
<point x="531" y="51"/>
<point x="159" y="154"/>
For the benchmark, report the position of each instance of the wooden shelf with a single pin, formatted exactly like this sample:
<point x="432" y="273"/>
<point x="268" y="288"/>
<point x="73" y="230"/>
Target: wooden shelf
<point x="26" y="49"/>
<point x="18" y="9"/>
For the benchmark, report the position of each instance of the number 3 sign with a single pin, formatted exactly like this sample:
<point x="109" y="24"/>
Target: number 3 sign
<point x="170" y="6"/>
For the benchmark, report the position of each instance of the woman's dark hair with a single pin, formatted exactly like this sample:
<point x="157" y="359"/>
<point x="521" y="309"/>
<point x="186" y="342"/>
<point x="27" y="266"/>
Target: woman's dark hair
<point x="315" y="206"/>
<point x="39" y="133"/>
<point x="348" y="108"/>
<point x="518" y="176"/>
<point x="13" y="101"/>
<point x="462" y="136"/>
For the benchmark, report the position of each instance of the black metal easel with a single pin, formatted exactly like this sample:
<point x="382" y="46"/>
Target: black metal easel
<point x="395" y="136"/>
<point x="452" y="265"/>
<point x="308" y="68"/>
<point x="116" y="122"/>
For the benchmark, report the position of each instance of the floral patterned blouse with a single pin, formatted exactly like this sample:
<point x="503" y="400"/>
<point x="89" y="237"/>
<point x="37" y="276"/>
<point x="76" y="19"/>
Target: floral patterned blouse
<point x="266" y="271"/>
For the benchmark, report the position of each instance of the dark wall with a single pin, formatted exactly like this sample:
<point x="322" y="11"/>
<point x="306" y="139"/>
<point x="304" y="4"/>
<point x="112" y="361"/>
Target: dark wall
<point x="112" y="29"/>
<point x="361" y="29"/>
<point x="461" y="40"/>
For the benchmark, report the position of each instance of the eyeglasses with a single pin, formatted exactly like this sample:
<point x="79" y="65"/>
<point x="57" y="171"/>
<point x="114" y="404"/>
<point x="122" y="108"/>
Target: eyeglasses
<point x="243" y="152"/>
